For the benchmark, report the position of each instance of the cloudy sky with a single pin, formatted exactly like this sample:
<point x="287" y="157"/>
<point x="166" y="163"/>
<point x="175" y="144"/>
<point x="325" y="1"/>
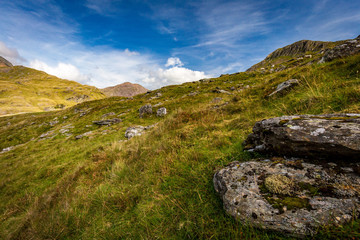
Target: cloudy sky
<point x="156" y="43"/>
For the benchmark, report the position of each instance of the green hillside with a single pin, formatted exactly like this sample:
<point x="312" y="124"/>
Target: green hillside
<point x="28" y="90"/>
<point x="56" y="184"/>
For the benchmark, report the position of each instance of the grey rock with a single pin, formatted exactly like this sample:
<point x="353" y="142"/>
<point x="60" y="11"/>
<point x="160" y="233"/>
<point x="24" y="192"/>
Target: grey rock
<point x="161" y="112"/>
<point x="134" y="131"/>
<point x="145" y="110"/>
<point x="250" y="197"/>
<point x="332" y="136"/>
<point x="83" y="135"/>
<point x="7" y="149"/>
<point x="285" y="86"/>
<point x="341" y="51"/>
<point x="108" y="114"/>
<point x="108" y="122"/>
<point x="217" y="100"/>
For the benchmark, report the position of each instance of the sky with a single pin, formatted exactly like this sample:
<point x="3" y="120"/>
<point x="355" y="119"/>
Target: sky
<point x="157" y="43"/>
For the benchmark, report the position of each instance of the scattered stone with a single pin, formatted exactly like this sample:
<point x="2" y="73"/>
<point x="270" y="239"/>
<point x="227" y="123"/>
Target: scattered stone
<point x="158" y="104"/>
<point x="288" y="199"/>
<point x="134" y="131"/>
<point x="108" y="122"/>
<point x="7" y="149"/>
<point x="145" y="110"/>
<point x="161" y="112"/>
<point x="83" y="135"/>
<point x="285" y="86"/>
<point x="330" y="136"/>
<point x="65" y="117"/>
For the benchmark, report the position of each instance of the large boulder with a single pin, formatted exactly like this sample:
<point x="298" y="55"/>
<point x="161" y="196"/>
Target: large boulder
<point x="145" y="110"/>
<point x="290" y="196"/>
<point x="331" y="136"/>
<point x="134" y="131"/>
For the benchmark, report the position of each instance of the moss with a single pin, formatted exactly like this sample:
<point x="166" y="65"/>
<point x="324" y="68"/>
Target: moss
<point x="279" y="184"/>
<point x="289" y="202"/>
<point x="310" y="188"/>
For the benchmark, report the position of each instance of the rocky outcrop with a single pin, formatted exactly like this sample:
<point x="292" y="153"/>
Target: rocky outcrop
<point x="145" y="110"/>
<point x="321" y="187"/>
<point x="124" y="90"/>
<point x="349" y="48"/>
<point x="332" y="136"/>
<point x="4" y="63"/>
<point x="284" y="87"/>
<point x="290" y="196"/>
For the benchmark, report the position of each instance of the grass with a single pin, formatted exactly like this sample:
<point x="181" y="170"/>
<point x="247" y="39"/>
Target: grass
<point x="40" y="91"/>
<point x="159" y="185"/>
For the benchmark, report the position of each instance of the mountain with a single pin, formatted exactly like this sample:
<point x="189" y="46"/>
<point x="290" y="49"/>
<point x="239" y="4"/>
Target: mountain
<point x="124" y="90"/>
<point x="24" y="89"/>
<point x="73" y="174"/>
<point x="305" y="52"/>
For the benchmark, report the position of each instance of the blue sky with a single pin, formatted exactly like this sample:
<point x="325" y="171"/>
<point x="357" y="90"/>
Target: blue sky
<point x="157" y="43"/>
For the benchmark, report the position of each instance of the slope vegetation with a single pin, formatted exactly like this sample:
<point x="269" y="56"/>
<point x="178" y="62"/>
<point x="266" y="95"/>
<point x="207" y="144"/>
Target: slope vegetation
<point x="64" y="177"/>
<point x="28" y="90"/>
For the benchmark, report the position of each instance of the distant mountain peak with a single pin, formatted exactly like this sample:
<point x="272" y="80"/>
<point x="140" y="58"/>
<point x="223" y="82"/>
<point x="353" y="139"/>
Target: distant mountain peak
<point x="125" y="89"/>
<point x="4" y="63"/>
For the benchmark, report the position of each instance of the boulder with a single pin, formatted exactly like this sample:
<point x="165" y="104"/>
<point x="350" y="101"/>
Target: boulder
<point x="284" y="87"/>
<point x="107" y="122"/>
<point x="161" y="112"/>
<point x="289" y="196"/>
<point x="145" y="110"/>
<point x="331" y="136"/>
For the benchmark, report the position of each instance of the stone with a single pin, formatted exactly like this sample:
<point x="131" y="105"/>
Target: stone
<point x="161" y="112"/>
<point x="317" y="196"/>
<point x="134" y="131"/>
<point x="284" y="86"/>
<point x="330" y="136"/>
<point x="108" y="114"/>
<point x="107" y="122"/>
<point x="145" y="110"/>
<point x="7" y="149"/>
<point x="83" y="135"/>
<point x="217" y="100"/>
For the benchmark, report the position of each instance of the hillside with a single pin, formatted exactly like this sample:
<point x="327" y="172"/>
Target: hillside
<point x="72" y="174"/>
<point x="302" y="53"/>
<point x="124" y="90"/>
<point x="24" y="89"/>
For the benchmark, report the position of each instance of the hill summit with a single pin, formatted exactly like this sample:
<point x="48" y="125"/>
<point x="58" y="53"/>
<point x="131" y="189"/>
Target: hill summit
<point x="125" y="89"/>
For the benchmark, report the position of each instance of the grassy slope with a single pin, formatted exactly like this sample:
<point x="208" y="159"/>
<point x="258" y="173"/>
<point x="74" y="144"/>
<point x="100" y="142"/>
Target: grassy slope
<point x="158" y="185"/>
<point x="28" y="90"/>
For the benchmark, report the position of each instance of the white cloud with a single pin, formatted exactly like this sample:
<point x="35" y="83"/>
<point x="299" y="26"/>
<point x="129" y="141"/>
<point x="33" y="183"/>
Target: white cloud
<point x="174" y="62"/>
<point x="62" y="70"/>
<point x="174" y="75"/>
<point x="10" y="54"/>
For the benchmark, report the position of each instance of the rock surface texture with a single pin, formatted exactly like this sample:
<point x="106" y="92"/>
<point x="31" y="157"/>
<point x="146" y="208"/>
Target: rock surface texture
<point x="296" y="195"/>
<point x="349" y="48"/>
<point x="161" y="112"/>
<point x="316" y="196"/>
<point x="332" y="136"/>
<point x="285" y="86"/>
<point x="145" y="110"/>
